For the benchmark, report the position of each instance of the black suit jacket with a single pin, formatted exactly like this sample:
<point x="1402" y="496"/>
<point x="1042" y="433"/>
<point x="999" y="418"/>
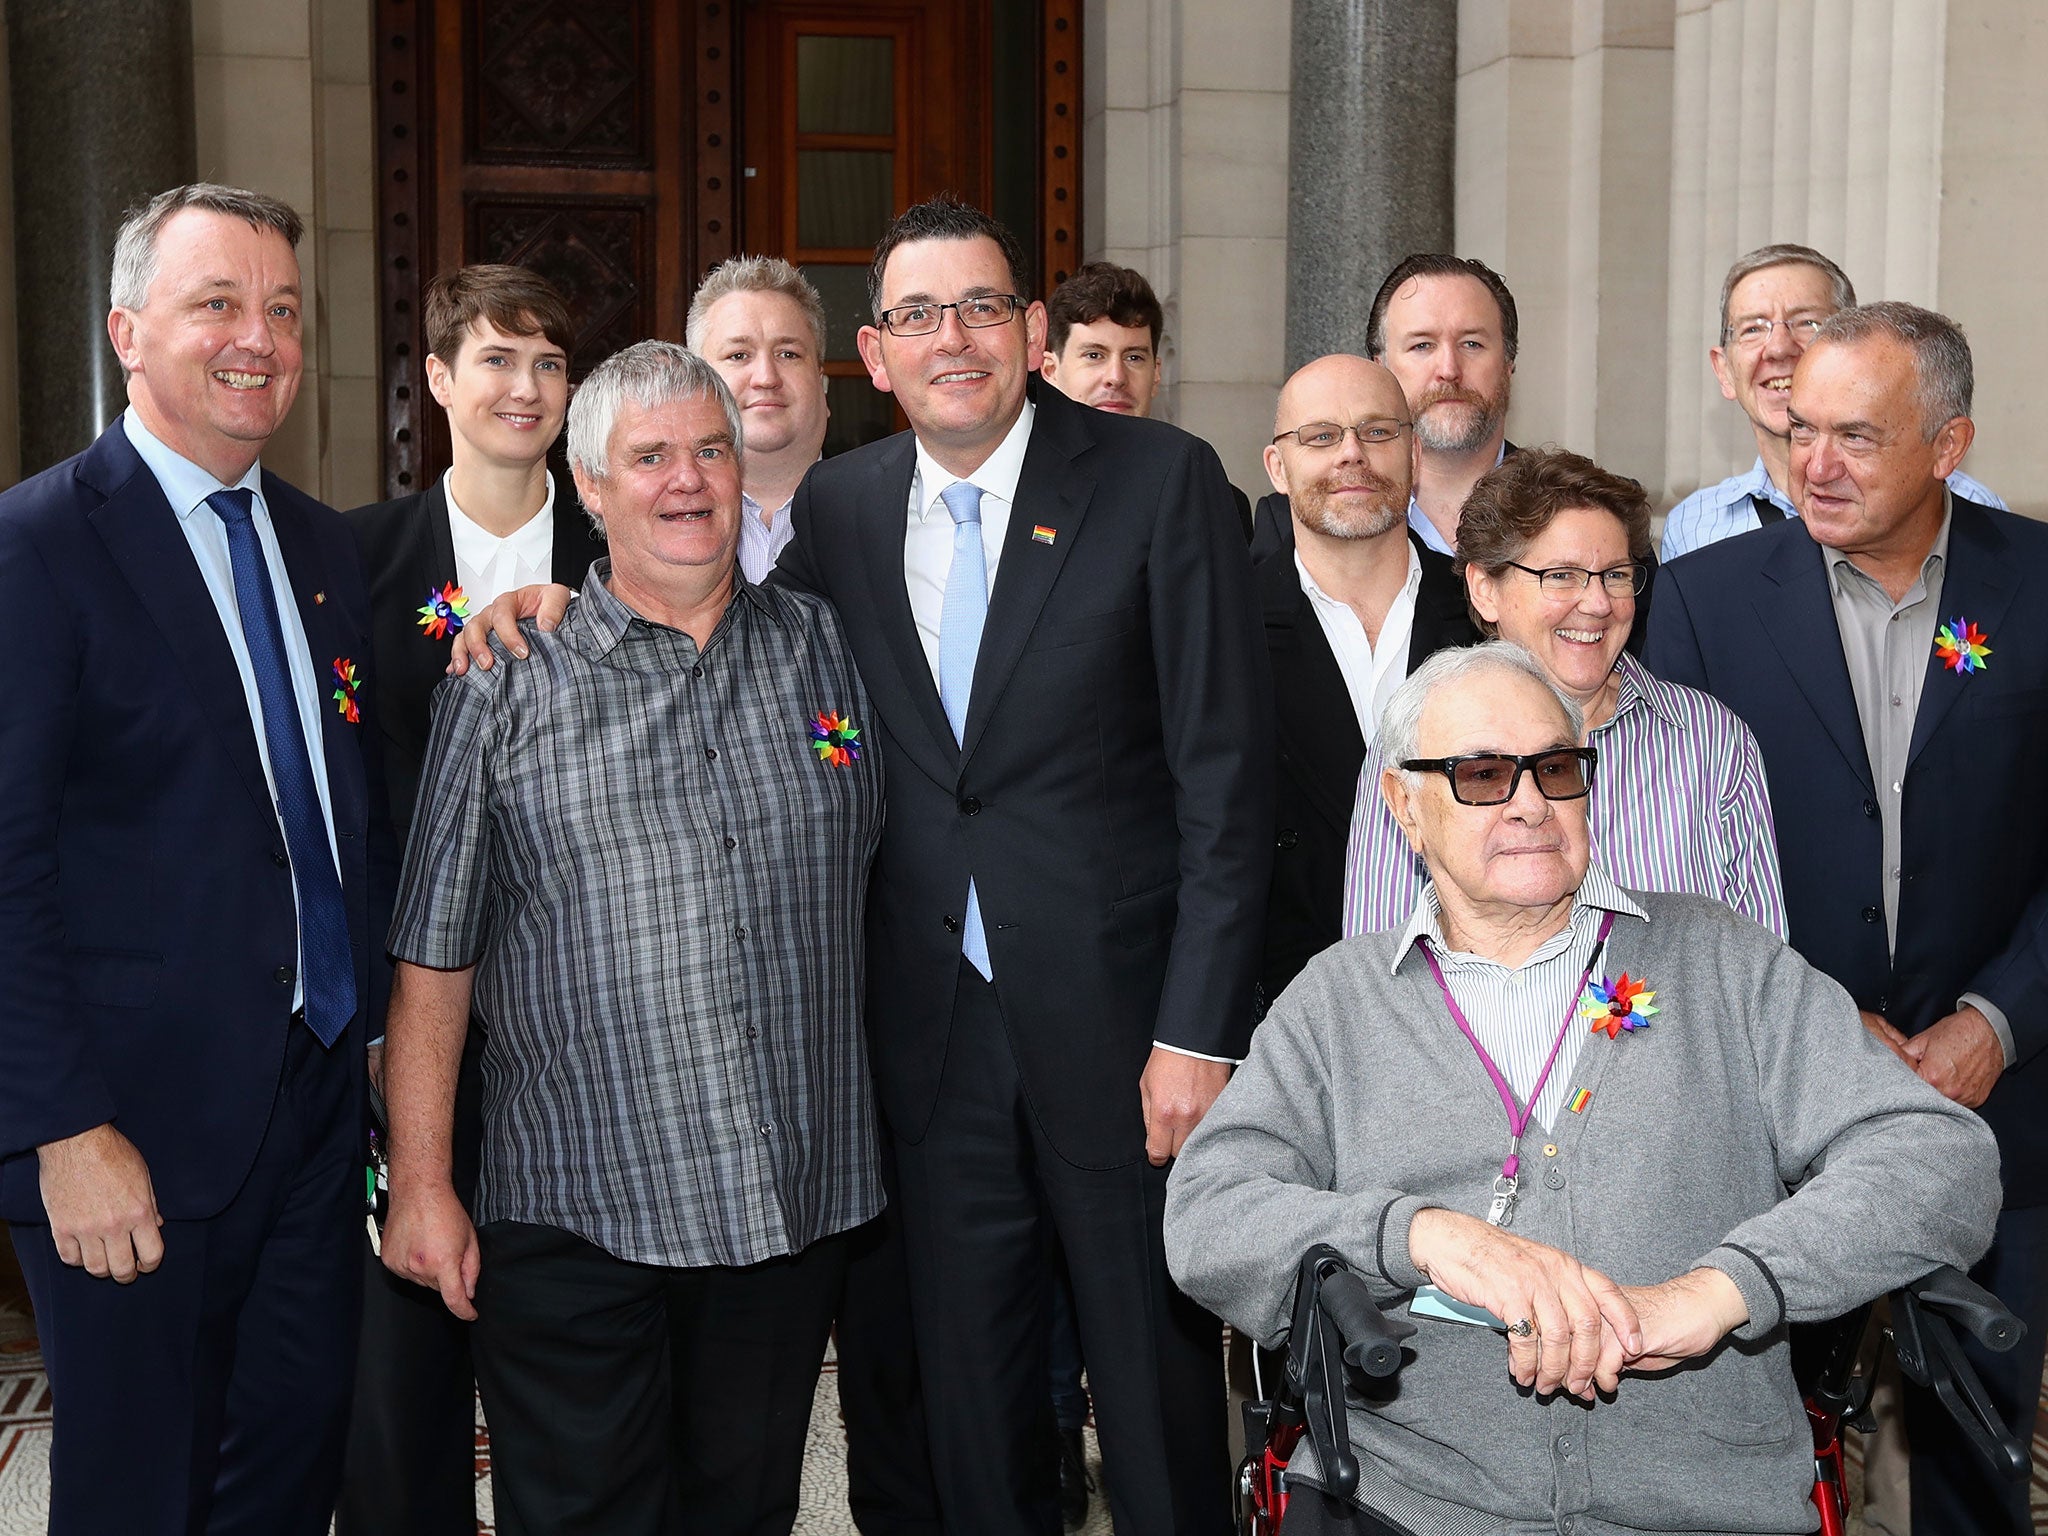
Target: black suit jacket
<point x="407" y="554"/>
<point x="1318" y="752"/>
<point x="148" y="933"/>
<point x="1751" y="621"/>
<point x="1113" y="800"/>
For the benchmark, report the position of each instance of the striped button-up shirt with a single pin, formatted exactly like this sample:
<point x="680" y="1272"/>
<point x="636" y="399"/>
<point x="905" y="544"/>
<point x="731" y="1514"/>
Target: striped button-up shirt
<point x="1678" y="804"/>
<point x="1721" y="511"/>
<point x="659" y="876"/>
<point x="1518" y="1010"/>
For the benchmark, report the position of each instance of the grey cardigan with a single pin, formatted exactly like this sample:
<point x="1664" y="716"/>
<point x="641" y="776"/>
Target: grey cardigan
<point x="1361" y="1104"/>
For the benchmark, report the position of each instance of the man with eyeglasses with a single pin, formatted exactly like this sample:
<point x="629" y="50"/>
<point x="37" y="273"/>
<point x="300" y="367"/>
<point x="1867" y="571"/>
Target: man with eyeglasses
<point x="1356" y="605"/>
<point x="1887" y="651"/>
<point x="1773" y="302"/>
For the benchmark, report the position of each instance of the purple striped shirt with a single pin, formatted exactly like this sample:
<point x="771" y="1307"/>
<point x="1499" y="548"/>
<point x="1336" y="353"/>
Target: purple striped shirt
<point x="1679" y="804"/>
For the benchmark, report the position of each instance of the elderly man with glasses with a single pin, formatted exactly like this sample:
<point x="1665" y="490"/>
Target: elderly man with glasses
<point x="1570" y="1160"/>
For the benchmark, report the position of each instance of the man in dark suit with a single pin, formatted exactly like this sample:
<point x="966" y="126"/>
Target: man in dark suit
<point x="498" y="341"/>
<point x="1053" y="612"/>
<point x="1884" y="648"/>
<point x="193" y="891"/>
<point x="1355" y="606"/>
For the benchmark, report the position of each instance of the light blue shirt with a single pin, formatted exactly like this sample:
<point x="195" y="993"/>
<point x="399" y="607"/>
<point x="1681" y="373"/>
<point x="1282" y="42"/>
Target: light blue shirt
<point x="1721" y="511"/>
<point x="1425" y="530"/>
<point x="186" y="486"/>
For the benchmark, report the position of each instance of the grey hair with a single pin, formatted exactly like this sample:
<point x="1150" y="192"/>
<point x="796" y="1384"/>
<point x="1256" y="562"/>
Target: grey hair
<point x="1842" y="292"/>
<point x="1941" y="354"/>
<point x="135" y="246"/>
<point x="1401" y="720"/>
<point x="648" y="373"/>
<point x="755" y="274"/>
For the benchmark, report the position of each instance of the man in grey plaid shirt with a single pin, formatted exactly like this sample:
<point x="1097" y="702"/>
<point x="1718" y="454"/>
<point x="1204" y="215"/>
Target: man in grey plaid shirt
<point x="646" y="853"/>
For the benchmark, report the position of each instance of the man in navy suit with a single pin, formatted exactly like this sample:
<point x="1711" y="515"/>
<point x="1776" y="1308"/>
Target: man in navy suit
<point x="1886" y="648"/>
<point x="188" y="929"/>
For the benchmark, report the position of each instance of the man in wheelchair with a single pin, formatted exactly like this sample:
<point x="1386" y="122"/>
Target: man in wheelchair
<point x="1561" y="1120"/>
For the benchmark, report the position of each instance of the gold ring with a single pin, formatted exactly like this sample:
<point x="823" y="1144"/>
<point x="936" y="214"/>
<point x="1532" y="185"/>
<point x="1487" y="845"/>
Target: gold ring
<point x="1522" y="1329"/>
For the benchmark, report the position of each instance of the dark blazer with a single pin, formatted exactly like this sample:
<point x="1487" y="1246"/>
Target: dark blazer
<point x="147" y="925"/>
<point x="408" y="553"/>
<point x="1116" y="823"/>
<point x="1318" y="752"/>
<point x="1750" y="620"/>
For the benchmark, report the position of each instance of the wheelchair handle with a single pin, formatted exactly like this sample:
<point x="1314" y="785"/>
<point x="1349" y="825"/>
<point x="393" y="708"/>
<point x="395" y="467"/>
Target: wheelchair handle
<point x="1954" y="1295"/>
<point x="1372" y="1339"/>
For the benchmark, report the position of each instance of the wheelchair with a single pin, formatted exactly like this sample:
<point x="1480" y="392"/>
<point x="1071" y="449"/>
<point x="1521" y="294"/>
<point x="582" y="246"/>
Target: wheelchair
<point x="1338" y="1337"/>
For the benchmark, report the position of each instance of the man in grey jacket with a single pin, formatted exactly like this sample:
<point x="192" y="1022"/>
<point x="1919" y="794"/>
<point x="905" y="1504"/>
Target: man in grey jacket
<point x="1566" y="1116"/>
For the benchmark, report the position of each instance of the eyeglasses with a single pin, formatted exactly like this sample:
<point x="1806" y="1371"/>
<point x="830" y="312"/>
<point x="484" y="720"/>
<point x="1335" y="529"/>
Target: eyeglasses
<point x="1752" y="333"/>
<point x="1569" y="580"/>
<point x="976" y="314"/>
<point x="1491" y="778"/>
<point x="1323" y="436"/>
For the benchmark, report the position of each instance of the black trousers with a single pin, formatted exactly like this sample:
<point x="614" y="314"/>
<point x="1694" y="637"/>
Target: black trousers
<point x="1311" y="1512"/>
<point x="212" y="1395"/>
<point x="977" y="1190"/>
<point x="635" y="1400"/>
<point x="411" y="1468"/>
<point x="888" y="1456"/>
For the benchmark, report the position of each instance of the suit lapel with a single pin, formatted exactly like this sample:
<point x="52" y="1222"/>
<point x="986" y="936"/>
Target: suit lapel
<point x="1797" y="611"/>
<point x="1977" y="586"/>
<point x="142" y="536"/>
<point x="1052" y="487"/>
<point x="1312" y="709"/>
<point x="881" y="515"/>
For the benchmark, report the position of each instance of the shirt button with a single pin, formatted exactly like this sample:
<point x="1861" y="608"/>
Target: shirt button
<point x="282" y="975"/>
<point x="1897" y="701"/>
<point x="696" y="671"/>
<point x="753" y="1033"/>
<point x="731" y="843"/>
<point x="740" y="932"/>
<point x="1870" y="914"/>
<point x="766" y="1129"/>
<point x="711" y="754"/>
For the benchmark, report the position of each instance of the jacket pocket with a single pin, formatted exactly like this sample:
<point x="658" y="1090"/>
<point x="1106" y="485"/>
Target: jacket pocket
<point x="1083" y="631"/>
<point x="1147" y="917"/>
<point x="116" y="978"/>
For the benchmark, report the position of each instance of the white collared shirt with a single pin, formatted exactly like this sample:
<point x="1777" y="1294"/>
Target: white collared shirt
<point x="928" y="539"/>
<point x="487" y="565"/>
<point x="186" y="486"/>
<point x="1371" y="672"/>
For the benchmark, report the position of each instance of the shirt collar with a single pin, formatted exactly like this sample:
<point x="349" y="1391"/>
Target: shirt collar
<point x="1758" y="483"/>
<point x="185" y="485"/>
<point x="1409" y="585"/>
<point x="997" y="476"/>
<point x="1640" y="689"/>
<point x="1840" y="566"/>
<point x="1596" y="893"/>
<point x="477" y="545"/>
<point x="754" y="509"/>
<point x="609" y="620"/>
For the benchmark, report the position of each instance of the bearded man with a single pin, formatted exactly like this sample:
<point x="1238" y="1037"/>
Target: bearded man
<point x="1353" y="604"/>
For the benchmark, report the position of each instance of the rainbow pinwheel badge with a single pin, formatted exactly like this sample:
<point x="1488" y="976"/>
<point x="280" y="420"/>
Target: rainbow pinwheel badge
<point x="445" y="611"/>
<point x="1960" y="645"/>
<point x="346" y="685"/>
<point x="1617" y="1005"/>
<point x="837" y="740"/>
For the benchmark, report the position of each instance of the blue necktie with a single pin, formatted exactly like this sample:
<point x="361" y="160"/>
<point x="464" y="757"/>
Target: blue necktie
<point x="960" y="621"/>
<point x="327" y="969"/>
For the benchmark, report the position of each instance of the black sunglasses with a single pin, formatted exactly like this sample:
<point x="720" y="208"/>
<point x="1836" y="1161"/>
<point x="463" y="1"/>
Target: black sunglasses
<point x="1491" y="778"/>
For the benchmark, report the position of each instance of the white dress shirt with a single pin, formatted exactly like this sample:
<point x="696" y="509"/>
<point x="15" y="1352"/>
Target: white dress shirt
<point x="1371" y="672"/>
<point x="186" y="486"/>
<point x="928" y="539"/>
<point x="488" y="565"/>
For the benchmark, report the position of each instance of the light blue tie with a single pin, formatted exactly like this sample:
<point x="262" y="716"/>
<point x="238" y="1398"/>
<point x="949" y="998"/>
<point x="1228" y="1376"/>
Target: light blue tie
<point x="960" y="621"/>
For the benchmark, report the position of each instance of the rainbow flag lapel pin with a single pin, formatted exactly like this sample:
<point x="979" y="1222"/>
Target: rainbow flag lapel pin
<point x="1040" y="534"/>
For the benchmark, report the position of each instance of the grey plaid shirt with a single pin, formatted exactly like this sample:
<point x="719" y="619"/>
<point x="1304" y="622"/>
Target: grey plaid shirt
<point x="659" y="876"/>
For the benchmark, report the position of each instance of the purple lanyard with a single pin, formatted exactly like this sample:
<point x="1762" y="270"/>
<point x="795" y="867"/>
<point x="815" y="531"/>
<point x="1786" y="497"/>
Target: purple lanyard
<point x="1518" y="1120"/>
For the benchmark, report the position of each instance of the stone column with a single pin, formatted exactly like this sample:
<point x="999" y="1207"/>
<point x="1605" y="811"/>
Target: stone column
<point x="101" y="92"/>
<point x="1372" y="141"/>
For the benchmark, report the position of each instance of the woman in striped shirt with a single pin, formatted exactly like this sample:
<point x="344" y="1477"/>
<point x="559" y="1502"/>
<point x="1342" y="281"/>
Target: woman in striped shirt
<point x="1553" y="550"/>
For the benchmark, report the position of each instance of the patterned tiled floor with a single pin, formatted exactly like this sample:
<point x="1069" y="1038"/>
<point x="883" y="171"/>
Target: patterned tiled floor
<point x="25" y="1440"/>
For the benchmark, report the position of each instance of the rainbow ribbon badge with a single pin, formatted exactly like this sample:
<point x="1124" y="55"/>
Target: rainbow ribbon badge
<point x="444" y="613"/>
<point x="346" y="685"/>
<point x="1960" y="645"/>
<point x="1617" y="1005"/>
<point x="837" y="740"/>
<point x="1040" y="534"/>
<point x="1580" y="1100"/>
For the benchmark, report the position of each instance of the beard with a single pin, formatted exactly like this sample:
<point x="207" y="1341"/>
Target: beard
<point x="1386" y="509"/>
<point x="1469" y="421"/>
